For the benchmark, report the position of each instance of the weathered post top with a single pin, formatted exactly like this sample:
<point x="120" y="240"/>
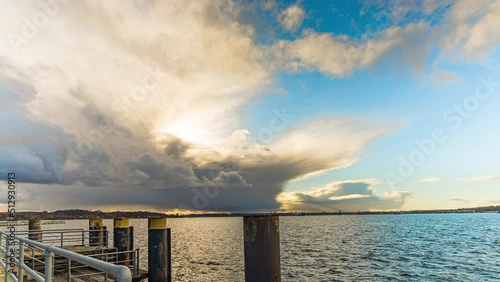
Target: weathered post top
<point x="157" y="223"/>
<point x="96" y="222"/>
<point x="121" y="223"/>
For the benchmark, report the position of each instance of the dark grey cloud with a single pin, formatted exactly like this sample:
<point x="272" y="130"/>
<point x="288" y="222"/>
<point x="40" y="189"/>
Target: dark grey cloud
<point x="29" y="146"/>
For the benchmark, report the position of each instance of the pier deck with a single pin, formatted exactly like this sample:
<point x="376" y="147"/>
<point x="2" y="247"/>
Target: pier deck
<point x="66" y="255"/>
<point x="79" y="273"/>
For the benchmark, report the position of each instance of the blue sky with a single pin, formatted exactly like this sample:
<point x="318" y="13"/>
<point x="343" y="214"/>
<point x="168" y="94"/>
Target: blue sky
<point x="402" y="96"/>
<point x="252" y="105"/>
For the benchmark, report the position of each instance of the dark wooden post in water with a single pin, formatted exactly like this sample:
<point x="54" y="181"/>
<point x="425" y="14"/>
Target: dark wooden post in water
<point x="96" y="238"/>
<point x="159" y="264"/>
<point x="262" y="248"/>
<point x="121" y="239"/>
<point x="35" y="225"/>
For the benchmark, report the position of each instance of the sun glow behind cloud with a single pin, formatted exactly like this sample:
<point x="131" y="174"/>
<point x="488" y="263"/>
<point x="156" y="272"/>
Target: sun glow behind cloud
<point x="185" y="130"/>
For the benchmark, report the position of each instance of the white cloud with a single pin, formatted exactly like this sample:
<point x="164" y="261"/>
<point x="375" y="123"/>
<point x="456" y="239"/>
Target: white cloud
<point x="472" y="28"/>
<point x="340" y="56"/>
<point x="292" y="18"/>
<point x="442" y="77"/>
<point x="269" y="4"/>
<point x="430" y="180"/>
<point x="468" y="28"/>
<point x="487" y="178"/>
<point x="351" y="195"/>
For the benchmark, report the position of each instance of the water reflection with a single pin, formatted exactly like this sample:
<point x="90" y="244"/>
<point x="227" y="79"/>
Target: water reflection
<point x="451" y="247"/>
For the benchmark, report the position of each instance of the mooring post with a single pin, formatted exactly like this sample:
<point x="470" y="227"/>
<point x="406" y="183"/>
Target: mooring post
<point x="262" y="248"/>
<point x="169" y="254"/>
<point x="121" y="239"/>
<point x="159" y="263"/>
<point x="105" y="236"/>
<point x="131" y="238"/>
<point x="96" y="238"/>
<point x="35" y="225"/>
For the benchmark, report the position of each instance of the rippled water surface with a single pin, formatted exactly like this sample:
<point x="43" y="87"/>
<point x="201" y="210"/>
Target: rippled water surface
<point x="442" y="247"/>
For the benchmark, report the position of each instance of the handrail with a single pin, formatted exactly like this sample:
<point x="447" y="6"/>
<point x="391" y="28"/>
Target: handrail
<point x="65" y="237"/>
<point x="121" y="272"/>
<point x="24" y="232"/>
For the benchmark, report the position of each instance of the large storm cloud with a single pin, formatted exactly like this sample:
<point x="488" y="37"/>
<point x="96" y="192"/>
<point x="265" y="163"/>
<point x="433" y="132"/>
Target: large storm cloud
<point x="142" y="109"/>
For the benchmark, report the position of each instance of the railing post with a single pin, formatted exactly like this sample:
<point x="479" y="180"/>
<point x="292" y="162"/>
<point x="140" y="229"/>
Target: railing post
<point x="21" y="261"/>
<point x="96" y="238"/>
<point x="49" y="265"/>
<point x="7" y="258"/>
<point x="106" y="274"/>
<point x="62" y="239"/>
<point x="262" y="248"/>
<point x="137" y="261"/>
<point x="1" y="252"/>
<point x="121" y="239"/>
<point x="69" y="270"/>
<point x="35" y="225"/>
<point x="157" y="250"/>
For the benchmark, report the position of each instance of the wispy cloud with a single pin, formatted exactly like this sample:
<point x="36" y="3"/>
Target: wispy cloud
<point x="476" y="202"/>
<point x="443" y="77"/>
<point x="487" y="178"/>
<point x="430" y="180"/>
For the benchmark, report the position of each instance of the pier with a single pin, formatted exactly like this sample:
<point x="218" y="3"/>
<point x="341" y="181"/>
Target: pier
<point x="79" y="255"/>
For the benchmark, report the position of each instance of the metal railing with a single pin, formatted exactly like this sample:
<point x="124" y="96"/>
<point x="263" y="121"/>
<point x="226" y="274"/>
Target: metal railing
<point x="16" y="251"/>
<point x="129" y="258"/>
<point x="67" y="237"/>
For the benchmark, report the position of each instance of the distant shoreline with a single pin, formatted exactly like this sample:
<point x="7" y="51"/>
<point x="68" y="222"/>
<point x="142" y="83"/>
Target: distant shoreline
<point x="87" y="214"/>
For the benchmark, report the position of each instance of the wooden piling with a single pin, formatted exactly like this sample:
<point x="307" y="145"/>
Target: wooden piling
<point x="96" y="238"/>
<point x="159" y="263"/>
<point x="121" y="239"/>
<point x="262" y="248"/>
<point x="35" y="225"/>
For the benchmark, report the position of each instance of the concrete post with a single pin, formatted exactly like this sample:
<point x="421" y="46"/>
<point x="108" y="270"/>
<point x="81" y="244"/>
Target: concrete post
<point x="158" y="251"/>
<point x="36" y="226"/>
<point x="262" y="248"/>
<point x="96" y="238"/>
<point x="121" y="239"/>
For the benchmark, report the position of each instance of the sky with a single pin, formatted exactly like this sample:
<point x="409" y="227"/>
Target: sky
<point x="250" y="106"/>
